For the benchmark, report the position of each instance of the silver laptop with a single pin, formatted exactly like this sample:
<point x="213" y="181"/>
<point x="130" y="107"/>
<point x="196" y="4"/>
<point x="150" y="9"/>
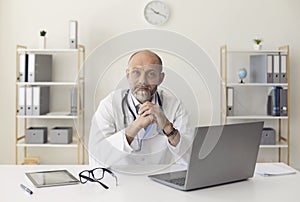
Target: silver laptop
<point x="219" y="155"/>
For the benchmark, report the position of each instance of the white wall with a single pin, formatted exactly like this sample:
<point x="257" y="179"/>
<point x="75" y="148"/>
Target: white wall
<point x="208" y="23"/>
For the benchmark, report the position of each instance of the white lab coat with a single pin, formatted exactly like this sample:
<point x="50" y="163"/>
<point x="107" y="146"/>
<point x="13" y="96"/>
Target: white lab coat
<point x="107" y="142"/>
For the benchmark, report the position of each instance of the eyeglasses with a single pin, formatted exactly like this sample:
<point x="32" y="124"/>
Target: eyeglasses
<point x="96" y="175"/>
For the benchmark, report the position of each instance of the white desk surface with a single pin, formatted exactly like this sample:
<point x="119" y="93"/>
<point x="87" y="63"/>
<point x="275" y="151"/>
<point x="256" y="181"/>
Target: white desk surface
<point x="141" y="188"/>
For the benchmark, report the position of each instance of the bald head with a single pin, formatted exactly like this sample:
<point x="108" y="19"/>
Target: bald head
<point x="144" y="57"/>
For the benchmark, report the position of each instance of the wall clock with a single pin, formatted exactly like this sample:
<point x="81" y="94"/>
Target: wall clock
<point x="156" y="12"/>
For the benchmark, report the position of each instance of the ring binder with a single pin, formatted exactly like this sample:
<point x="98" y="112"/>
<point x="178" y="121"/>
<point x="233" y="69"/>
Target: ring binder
<point x="21" y="101"/>
<point x="23" y="67"/>
<point x="40" y="100"/>
<point x="276" y="76"/>
<point x="230" y="101"/>
<point x="73" y="33"/>
<point x="283" y="78"/>
<point x="28" y="101"/>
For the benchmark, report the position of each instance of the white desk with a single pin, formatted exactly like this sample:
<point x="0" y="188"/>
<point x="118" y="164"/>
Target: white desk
<point x="141" y="188"/>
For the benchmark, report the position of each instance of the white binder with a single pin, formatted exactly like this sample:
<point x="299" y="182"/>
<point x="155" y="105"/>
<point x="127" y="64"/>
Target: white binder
<point x="40" y="101"/>
<point x="36" y="100"/>
<point x="28" y="100"/>
<point x="73" y="33"/>
<point x="283" y="78"/>
<point x="276" y="73"/>
<point x="230" y="101"/>
<point x="31" y="67"/>
<point x="23" y="67"/>
<point x="21" y="101"/>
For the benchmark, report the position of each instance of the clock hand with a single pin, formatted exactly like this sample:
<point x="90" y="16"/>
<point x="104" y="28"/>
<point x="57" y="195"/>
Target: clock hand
<point x="158" y="13"/>
<point x="162" y="15"/>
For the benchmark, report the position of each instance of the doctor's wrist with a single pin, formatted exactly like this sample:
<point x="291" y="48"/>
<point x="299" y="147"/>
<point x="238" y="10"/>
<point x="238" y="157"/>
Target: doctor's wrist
<point x="131" y="131"/>
<point x="168" y="128"/>
<point x="172" y="134"/>
<point x="174" y="139"/>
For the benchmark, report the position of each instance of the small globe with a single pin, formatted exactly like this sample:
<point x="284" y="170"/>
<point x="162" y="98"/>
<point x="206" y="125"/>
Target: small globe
<point x="242" y="73"/>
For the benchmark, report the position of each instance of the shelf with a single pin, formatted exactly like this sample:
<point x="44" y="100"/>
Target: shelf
<point x="257" y="117"/>
<point x="258" y="51"/>
<point x="21" y="50"/>
<point x="48" y="117"/>
<point x="255" y="84"/>
<point x="46" y="83"/>
<point x="21" y="143"/>
<point x="277" y="145"/>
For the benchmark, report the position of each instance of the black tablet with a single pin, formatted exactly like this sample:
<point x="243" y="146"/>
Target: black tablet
<point x="52" y="178"/>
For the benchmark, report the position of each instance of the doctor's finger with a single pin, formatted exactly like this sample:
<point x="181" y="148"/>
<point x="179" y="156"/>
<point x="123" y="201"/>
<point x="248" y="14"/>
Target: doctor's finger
<point x="152" y="118"/>
<point x="144" y="107"/>
<point x="146" y="113"/>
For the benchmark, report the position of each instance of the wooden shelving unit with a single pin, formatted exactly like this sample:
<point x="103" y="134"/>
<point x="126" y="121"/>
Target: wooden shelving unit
<point x="77" y="120"/>
<point x="226" y="73"/>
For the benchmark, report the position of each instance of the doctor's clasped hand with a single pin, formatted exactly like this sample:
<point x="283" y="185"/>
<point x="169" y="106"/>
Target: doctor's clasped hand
<point x="148" y="114"/>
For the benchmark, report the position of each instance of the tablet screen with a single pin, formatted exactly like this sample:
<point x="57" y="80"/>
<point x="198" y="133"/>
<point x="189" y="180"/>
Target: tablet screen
<point x="51" y="178"/>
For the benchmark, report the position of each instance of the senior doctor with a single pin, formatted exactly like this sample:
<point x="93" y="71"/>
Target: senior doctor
<point x="140" y="125"/>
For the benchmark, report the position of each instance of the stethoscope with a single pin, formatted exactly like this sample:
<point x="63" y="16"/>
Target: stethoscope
<point x="125" y="101"/>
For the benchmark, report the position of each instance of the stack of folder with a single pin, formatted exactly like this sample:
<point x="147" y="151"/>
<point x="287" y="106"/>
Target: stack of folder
<point x="277" y="102"/>
<point x="35" y="67"/>
<point x="33" y="100"/>
<point x="268" y="68"/>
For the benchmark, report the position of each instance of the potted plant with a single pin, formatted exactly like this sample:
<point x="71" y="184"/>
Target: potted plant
<point x="42" y="42"/>
<point x="257" y="44"/>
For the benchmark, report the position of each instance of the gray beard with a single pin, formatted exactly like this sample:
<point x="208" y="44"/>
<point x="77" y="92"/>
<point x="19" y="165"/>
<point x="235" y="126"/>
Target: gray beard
<point x="142" y="96"/>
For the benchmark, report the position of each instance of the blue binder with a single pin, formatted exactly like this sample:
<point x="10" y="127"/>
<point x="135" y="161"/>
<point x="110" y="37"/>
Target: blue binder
<point x="276" y="100"/>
